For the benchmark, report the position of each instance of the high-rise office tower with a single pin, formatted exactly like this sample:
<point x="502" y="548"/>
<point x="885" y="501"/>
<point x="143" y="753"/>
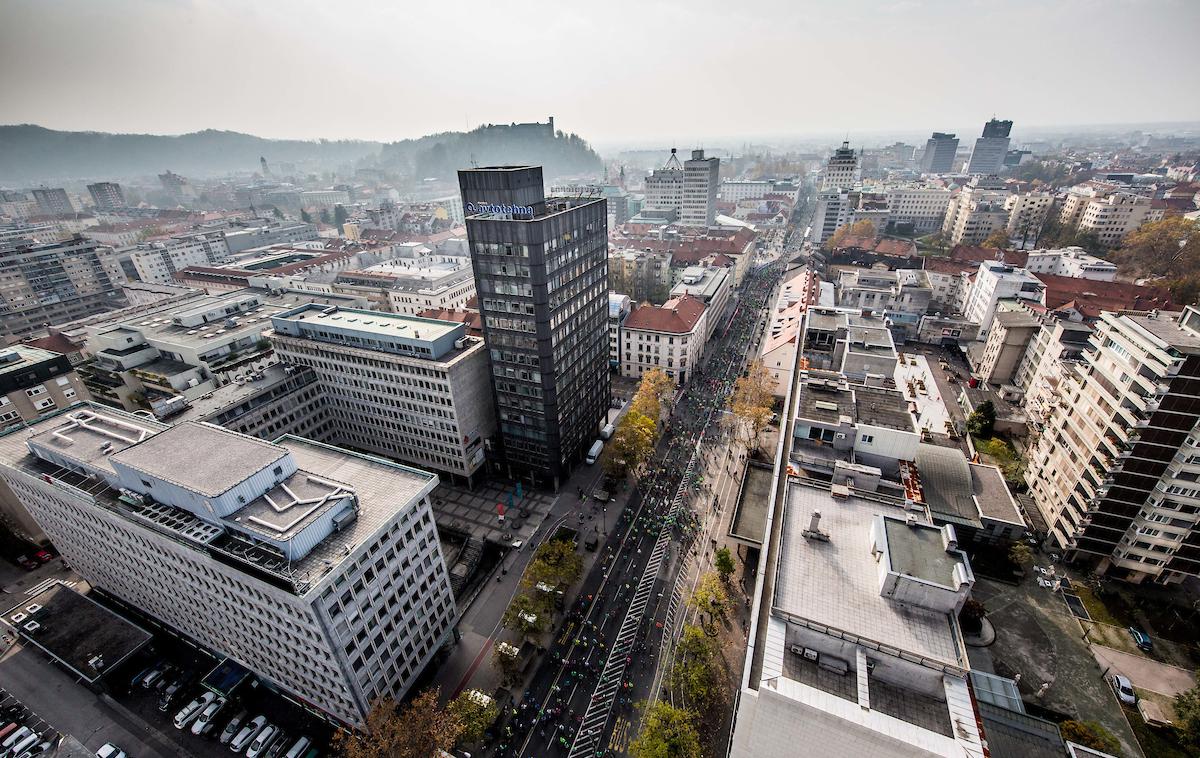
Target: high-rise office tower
<point x="53" y="201"/>
<point x="842" y="171"/>
<point x="991" y="148"/>
<point x="939" y="154"/>
<point x="107" y="195"/>
<point x="1115" y="473"/>
<point x="664" y="188"/>
<point x="541" y="273"/>
<point x="701" y="177"/>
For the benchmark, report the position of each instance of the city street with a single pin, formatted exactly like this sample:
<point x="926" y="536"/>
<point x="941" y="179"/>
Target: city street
<point x="602" y="659"/>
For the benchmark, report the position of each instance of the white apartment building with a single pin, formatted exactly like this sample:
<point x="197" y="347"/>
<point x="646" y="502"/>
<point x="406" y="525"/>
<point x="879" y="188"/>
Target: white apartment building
<point x="1076" y="200"/>
<point x="1115" y="473"/>
<point x="156" y="262"/>
<point x="413" y="389"/>
<point x="316" y="568"/>
<point x="842" y="171"/>
<point x="324" y="198"/>
<point x="700" y="181"/>
<point x="1111" y="218"/>
<point x="923" y="207"/>
<point x="976" y="212"/>
<point x="1071" y="261"/>
<point x="1027" y="213"/>
<point x="670" y="336"/>
<point x="876" y="668"/>
<point x="1047" y="366"/>
<point x="995" y="281"/>
<point x="737" y="190"/>
<point x="834" y="209"/>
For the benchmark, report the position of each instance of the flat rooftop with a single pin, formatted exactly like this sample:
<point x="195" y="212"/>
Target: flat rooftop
<point x="229" y="395"/>
<point x="75" y="630"/>
<point x="880" y="406"/>
<point x="1166" y="328"/>
<point x="201" y="458"/>
<point x="379" y="323"/>
<point x="919" y="551"/>
<point x="750" y="516"/>
<point x="836" y="583"/>
<point x="90" y="437"/>
<point x="826" y="398"/>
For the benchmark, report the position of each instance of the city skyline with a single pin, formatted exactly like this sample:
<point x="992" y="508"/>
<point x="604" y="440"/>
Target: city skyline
<point x="314" y="59"/>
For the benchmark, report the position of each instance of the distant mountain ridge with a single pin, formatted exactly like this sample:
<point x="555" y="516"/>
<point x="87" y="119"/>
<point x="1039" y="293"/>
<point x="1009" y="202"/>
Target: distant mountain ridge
<point x="31" y="154"/>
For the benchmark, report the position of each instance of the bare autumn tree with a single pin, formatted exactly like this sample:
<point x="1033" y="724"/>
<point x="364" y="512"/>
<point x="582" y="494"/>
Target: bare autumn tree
<point x="417" y="730"/>
<point x="753" y="397"/>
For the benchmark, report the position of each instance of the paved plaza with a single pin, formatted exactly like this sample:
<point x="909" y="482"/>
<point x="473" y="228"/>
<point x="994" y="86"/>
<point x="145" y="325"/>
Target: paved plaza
<point x="475" y="512"/>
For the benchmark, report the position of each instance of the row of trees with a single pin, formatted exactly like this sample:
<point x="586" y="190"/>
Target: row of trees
<point x="420" y="728"/>
<point x="863" y="228"/>
<point x="753" y="399"/>
<point x="638" y="432"/>
<point x="555" y="565"/>
<point x="1168" y="250"/>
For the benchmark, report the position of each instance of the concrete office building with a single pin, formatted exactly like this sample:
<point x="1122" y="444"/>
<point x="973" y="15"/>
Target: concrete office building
<point x="157" y="262"/>
<point x="541" y="271"/>
<point x="990" y="149"/>
<point x="34" y="382"/>
<point x="921" y="208"/>
<point x="644" y="275"/>
<point x="1071" y="261"/>
<point x="237" y="240"/>
<point x="619" y="306"/>
<point x="711" y="285"/>
<point x="842" y="171"/>
<point x="1115" y="473"/>
<point x="664" y="189"/>
<point x="316" y="568"/>
<point x="107" y="195"/>
<point x="53" y="202"/>
<point x="700" y="180"/>
<point x="412" y="389"/>
<point x="1112" y="217"/>
<point x="835" y="208"/>
<point x="977" y="211"/>
<point x="45" y="284"/>
<point x="940" y="150"/>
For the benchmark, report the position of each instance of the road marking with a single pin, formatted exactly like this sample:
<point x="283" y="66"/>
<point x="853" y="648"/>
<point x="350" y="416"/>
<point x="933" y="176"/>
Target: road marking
<point x="619" y="740"/>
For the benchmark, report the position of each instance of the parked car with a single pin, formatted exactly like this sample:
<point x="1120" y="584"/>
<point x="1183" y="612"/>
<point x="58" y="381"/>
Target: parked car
<point x="150" y="679"/>
<point x="23" y="744"/>
<point x="206" y="721"/>
<point x="1141" y="639"/>
<point x="8" y="729"/>
<point x="233" y="727"/>
<point x="1123" y="689"/>
<point x="41" y="748"/>
<point x="25" y="562"/>
<point x="110" y="750"/>
<point x="248" y="733"/>
<point x="43" y="556"/>
<point x="278" y="744"/>
<point x="192" y="709"/>
<point x="262" y="741"/>
<point x="170" y="694"/>
<point x="15" y="737"/>
<point x="299" y="748"/>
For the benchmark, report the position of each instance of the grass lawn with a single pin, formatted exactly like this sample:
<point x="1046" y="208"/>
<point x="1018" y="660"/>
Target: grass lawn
<point x="1156" y="742"/>
<point x="1116" y="637"/>
<point x="1096" y="609"/>
<point x="1000" y="452"/>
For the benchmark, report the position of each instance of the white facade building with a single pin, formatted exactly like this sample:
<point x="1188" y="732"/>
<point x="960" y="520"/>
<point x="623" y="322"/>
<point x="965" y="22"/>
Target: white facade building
<point x="413" y="389"/>
<point x="978" y="211"/>
<point x="700" y="180"/>
<point x="1027" y="213"/>
<point x="1071" y="261"/>
<point x="156" y="262"/>
<point x="842" y="171"/>
<point x="923" y="207"/>
<point x="995" y="281"/>
<point x="318" y="569"/>
<point x="1111" y="218"/>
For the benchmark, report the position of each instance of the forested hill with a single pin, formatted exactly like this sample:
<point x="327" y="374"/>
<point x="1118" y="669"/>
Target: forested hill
<point x="441" y="155"/>
<point x="32" y="153"/>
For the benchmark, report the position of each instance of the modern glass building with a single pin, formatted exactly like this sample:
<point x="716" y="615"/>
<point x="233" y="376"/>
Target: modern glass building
<point x="541" y="273"/>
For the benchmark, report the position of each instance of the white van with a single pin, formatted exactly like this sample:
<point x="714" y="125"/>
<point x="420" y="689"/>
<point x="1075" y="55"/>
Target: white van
<point x="594" y="453"/>
<point x="22" y="745"/>
<point x="298" y="749"/>
<point x="16" y="737"/>
<point x="607" y="431"/>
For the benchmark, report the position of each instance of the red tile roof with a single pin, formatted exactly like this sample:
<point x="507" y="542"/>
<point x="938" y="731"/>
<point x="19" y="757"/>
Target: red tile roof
<point x="473" y="320"/>
<point x="1089" y="297"/>
<point x="55" y="342"/>
<point x="678" y="315"/>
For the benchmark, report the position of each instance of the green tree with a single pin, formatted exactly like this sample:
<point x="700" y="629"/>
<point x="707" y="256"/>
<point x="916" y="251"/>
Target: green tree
<point x="555" y="562"/>
<point x="632" y="443"/>
<point x="998" y="238"/>
<point x="1090" y="734"/>
<point x="1187" y="712"/>
<point x="710" y="596"/>
<point x="753" y="397"/>
<point x="1169" y="246"/>
<point x="418" y="730"/>
<point x="694" y="674"/>
<point x="528" y="614"/>
<point x="339" y="216"/>
<point x="667" y="732"/>
<point x="724" y="563"/>
<point x="476" y="713"/>
<point x="982" y="421"/>
<point x="971" y="616"/>
<point x="325" y="216"/>
<point x="305" y="216"/>
<point x="506" y="660"/>
<point x="276" y="212"/>
<point x="1020" y="554"/>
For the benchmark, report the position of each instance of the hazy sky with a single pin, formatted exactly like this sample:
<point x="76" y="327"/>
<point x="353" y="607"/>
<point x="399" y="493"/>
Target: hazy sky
<point x="609" y="69"/>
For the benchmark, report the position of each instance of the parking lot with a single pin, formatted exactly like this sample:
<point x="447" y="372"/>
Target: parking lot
<point x="16" y="717"/>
